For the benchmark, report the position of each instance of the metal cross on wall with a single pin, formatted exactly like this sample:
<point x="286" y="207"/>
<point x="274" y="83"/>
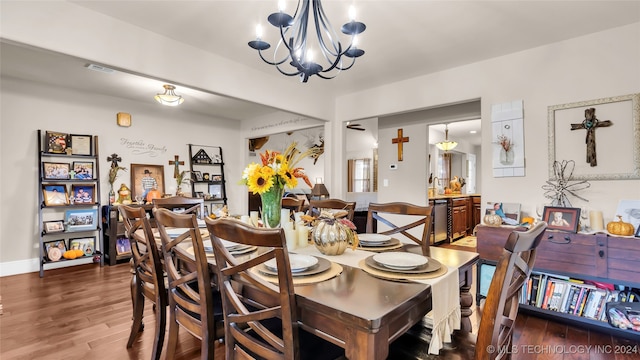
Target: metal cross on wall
<point x="176" y="168"/>
<point x="114" y="158"/>
<point x="590" y="123"/>
<point x="400" y="140"/>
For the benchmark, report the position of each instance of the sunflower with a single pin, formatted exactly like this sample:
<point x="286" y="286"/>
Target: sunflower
<point x="259" y="182"/>
<point x="289" y="178"/>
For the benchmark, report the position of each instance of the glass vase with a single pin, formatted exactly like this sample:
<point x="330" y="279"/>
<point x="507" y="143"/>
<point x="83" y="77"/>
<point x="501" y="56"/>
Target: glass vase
<point x="506" y="157"/>
<point x="272" y="206"/>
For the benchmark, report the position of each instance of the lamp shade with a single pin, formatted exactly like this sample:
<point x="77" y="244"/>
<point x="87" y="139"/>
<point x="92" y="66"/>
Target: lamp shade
<point x="319" y="191"/>
<point x="169" y="97"/>
<point x="447" y="144"/>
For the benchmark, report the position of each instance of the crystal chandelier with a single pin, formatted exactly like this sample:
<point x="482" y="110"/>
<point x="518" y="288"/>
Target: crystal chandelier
<point x="292" y="55"/>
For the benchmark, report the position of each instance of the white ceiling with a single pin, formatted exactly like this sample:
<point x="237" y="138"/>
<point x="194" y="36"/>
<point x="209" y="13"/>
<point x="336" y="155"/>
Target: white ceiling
<point x="403" y="39"/>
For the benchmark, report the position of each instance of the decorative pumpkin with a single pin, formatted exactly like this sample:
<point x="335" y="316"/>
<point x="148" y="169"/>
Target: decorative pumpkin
<point x="69" y="254"/>
<point x="620" y="227"/>
<point x="330" y="235"/>
<point x="79" y="253"/>
<point x="492" y="219"/>
<point x="153" y="194"/>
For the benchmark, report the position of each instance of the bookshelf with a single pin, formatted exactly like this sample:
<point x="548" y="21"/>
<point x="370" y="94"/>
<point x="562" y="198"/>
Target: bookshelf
<point x="586" y="262"/>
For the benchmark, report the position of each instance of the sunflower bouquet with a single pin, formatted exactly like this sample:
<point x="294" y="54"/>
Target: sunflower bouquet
<point x="269" y="178"/>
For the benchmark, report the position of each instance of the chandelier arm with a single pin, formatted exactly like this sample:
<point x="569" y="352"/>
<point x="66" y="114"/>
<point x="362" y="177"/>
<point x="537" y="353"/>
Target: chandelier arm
<point x="276" y="63"/>
<point x="322" y="20"/>
<point x="353" y="61"/>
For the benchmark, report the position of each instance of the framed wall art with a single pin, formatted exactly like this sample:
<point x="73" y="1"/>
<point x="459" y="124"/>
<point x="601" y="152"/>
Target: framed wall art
<point x="145" y="178"/>
<point x="602" y="136"/>
<point x="81" y="144"/>
<point x="562" y="218"/>
<point x="55" y="194"/>
<point x="86" y="244"/>
<point x="55" y="249"/>
<point x="123" y="246"/>
<point x="55" y="171"/>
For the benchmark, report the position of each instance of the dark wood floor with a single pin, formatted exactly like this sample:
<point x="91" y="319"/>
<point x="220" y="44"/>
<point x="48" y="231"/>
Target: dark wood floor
<point x="84" y="312"/>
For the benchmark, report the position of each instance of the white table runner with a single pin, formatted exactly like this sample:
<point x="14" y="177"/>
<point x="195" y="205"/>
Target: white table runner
<point x="445" y="295"/>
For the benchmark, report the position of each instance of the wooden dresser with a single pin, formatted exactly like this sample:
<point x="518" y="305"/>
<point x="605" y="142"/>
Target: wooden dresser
<point x="596" y="257"/>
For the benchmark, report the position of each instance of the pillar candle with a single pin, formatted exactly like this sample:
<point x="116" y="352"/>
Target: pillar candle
<point x="596" y="221"/>
<point x="303" y="234"/>
<point x="254" y="218"/>
<point x="290" y="235"/>
<point x="284" y="216"/>
<point x="245" y="219"/>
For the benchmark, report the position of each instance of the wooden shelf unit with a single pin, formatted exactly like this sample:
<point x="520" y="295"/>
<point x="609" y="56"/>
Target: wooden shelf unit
<point x="597" y="257"/>
<point x="208" y="159"/>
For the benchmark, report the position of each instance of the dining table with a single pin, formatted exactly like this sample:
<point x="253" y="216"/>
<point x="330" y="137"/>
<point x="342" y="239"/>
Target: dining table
<point x="364" y="313"/>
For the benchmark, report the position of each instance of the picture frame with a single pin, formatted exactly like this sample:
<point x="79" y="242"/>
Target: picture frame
<point x="83" y="170"/>
<point x="216" y="178"/>
<point x="611" y="163"/>
<point x="197" y="175"/>
<point x="56" y="142"/>
<point x="562" y="218"/>
<point x="511" y="211"/>
<point x="55" y="170"/>
<point x="123" y="246"/>
<point x="55" y="194"/>
<point x="86" y="244"/>
<point x="81" y="144"/>
<point x="630" y="212"/>
<point x="215" y="190"/>
<point x="60" y="247"/>
<point x="52" y="227"/>
<point x="151" y="174"/>
<point x="199" y="194"/>
<point x="81" y="220"/>
<point x="83" y="194"/>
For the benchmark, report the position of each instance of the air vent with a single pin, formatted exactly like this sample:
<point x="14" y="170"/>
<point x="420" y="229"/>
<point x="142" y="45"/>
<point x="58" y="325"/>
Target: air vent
<point x="100" y="68"/>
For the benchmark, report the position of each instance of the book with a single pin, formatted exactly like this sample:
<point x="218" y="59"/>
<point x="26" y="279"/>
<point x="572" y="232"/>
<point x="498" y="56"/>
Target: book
<point x="535" y="284"/>
<point x="547" y="294"/>
<point x="575" y="293"/>
<point x="556" y="297"/>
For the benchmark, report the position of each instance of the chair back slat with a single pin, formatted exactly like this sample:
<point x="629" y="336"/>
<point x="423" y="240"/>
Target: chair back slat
<point x="501" y="307"/>
<point x="252" y="306"/>
<point x="190" y="205"/>
<point x="292" y="204"/>
<point x="383" y="212"/>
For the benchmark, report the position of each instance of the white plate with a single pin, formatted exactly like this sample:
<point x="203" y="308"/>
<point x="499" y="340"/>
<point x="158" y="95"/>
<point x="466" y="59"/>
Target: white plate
<point x="400" y="260"/>
<point x="208" y="246"/>
<point x="298" y="262"/>
<point x="373" y="238"/>
<point x="201" y="223"/>
<point x="175" y="232"/>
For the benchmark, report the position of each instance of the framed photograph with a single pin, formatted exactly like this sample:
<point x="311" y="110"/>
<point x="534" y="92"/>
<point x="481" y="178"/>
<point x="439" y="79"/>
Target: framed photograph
<point x="216" y="178"/>
<point x="51" y="227"/>
<point x="55" y="249"/>
<point x="197" y="175"/>
<point x="217" y="159"/>
<point x="55" y="194"/>
<point x="216" y="191"/>
<point x="123" y="246"/>
<point x="509" y="212"/>
<point x="86" y="244"/>
<point x="145" y="178"/>
<point x="562" y="218"/>
<point x="630" y="212"/>
<point x="589" y="132"/>
<point x="81" y="220"/>
<point x="83" y="170"/>
<point x="81" y="144"/>
<point x="55" y="171"/>
<point x="83" y="194"/>
<point x="56" y="142"/>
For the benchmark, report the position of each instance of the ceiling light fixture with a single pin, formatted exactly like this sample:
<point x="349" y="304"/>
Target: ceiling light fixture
<point x="294" y="50"/>
<point x="446" y="145"/>
<point x="169" y="97"/>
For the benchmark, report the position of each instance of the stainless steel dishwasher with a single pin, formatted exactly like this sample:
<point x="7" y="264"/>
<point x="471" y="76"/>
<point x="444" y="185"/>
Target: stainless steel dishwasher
<point x="439" y="221"/>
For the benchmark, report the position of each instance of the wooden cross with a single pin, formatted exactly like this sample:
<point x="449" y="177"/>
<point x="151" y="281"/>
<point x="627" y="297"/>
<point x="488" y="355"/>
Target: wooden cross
<point x="114" y="158"/>
<point x="590" y="123"/>
<point x="176" y="168"/>
<point x="399" y="140"/>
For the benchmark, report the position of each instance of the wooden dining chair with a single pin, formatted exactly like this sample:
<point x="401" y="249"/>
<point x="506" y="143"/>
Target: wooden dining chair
<point x="418" y="216"/>
<point x="190" y="205"/>
<point x="260" y="317"/>
<point x="499" y="312"/>
<point x="335" y="204"/>
<point x="147" y="280"/>
<point x="193" y="304"/>
<point x="292" y="204"/>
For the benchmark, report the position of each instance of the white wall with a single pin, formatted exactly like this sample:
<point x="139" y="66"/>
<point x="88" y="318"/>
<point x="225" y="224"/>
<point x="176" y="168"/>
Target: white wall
<point x="26" y="107"/>
<point x="600" y="65"/>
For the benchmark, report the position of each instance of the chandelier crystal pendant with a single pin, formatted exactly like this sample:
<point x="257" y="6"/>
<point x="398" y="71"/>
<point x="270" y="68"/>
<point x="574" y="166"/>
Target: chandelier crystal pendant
<point x="169" y="97"/>
<point x="292" y="55"/>
<point x="446" y="145"/>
